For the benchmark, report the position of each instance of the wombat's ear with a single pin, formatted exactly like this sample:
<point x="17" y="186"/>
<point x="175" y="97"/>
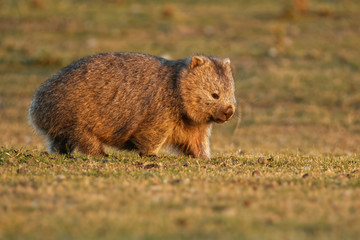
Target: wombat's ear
<point x="196" y="61"/>
<point x="227" y="61"/>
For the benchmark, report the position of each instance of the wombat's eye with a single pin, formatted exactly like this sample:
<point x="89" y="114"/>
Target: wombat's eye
<point x="215" y="96"/>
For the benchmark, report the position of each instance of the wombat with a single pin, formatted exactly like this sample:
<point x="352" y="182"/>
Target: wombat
<point x="134" y="101"/>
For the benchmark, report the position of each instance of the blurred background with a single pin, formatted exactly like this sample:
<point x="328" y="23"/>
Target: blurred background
<point x="296" y="62"/>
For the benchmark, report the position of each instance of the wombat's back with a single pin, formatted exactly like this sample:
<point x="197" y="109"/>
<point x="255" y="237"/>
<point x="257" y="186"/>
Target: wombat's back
<point x="103" y="94"/>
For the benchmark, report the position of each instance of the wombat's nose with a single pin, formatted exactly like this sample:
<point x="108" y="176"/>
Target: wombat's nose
<point x="224" y="114"/>
<point x="229" y="112"/>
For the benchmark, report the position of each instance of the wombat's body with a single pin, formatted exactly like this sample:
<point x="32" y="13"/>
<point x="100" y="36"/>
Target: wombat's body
<point x="134" y="101"/>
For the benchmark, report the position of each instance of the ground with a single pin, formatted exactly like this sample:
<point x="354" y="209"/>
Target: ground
<point x="287" y="165"/>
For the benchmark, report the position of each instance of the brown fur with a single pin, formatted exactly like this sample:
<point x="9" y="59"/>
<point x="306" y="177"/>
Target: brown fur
<point x="134" y="101"/>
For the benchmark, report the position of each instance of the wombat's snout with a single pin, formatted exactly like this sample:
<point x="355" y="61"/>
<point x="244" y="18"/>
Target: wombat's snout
<point x="229" y="112"/>
<point x="224" y="114"/>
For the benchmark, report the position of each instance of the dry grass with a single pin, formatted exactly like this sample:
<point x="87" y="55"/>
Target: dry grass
<point x="297" y="74"/>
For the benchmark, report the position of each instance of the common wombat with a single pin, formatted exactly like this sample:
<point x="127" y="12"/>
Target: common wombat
<point x="134" y="101"/>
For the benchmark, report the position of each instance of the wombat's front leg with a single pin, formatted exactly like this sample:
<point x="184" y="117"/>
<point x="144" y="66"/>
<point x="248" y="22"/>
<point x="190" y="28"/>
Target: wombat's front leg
<point x="90" y="145"/>
<point x="196" y="144"/>
<point x="199" y="149"/>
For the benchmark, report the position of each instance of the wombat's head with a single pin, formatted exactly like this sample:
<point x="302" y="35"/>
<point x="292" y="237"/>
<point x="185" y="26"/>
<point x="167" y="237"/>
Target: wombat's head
<point x="207" y="90"/>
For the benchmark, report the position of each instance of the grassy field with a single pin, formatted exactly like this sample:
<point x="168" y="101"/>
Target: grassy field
<point x="286" y="167"/>
<point x="287" y="196"/>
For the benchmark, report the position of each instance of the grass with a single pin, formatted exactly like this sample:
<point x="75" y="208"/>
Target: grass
<point x="287" y="195"/>
<point x="286" y="167"/>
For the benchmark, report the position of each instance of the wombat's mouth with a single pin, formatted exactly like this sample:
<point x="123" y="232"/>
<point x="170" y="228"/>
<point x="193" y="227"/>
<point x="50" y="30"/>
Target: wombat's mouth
<point x="218" y="120"/>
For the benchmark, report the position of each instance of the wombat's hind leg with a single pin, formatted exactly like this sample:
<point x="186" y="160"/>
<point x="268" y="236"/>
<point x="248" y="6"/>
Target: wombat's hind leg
<point x="147" y="146"/>
<point x="90" y="145"/>
<point x="59" y="144"/>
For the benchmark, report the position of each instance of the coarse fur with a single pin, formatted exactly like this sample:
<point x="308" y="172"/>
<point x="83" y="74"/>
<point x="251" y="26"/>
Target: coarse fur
<point x="134" y="101"/>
